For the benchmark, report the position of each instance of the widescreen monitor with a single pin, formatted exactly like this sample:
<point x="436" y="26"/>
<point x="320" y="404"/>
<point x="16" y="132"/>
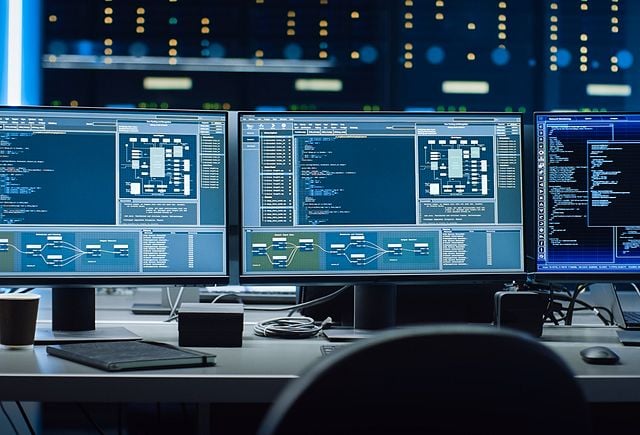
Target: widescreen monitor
<point x="588" y="195"/>
<point x="112" y="196"/>
<point x="380" y="197"/>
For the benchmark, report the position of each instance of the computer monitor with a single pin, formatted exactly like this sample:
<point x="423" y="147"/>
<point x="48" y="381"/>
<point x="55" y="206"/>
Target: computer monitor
<point x="111" y="196"/>
<point x="588" y="194"/>
<point x="377" y="197"/>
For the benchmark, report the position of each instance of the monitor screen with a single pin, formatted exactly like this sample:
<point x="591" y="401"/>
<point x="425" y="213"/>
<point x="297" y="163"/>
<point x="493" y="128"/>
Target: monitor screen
<point x="112" y="195"/>
<point x="380" y="196"/>
<point x="588" y="193"/>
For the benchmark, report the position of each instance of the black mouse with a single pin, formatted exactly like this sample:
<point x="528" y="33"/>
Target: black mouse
<point x="599" y="355"/>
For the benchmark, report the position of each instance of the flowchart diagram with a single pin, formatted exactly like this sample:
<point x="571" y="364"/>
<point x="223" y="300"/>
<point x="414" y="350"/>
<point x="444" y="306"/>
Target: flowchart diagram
<point x="349" y="251"/>
<point x="63" y="252"/>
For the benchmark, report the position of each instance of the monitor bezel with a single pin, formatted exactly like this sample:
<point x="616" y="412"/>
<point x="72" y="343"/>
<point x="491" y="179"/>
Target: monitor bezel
<point x="90" y="280"/>
<point x="327" y="278"/>
<point x="582" y="276"/>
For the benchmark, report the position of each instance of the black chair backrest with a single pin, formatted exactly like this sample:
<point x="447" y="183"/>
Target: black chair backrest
<point x="434" y="379"/>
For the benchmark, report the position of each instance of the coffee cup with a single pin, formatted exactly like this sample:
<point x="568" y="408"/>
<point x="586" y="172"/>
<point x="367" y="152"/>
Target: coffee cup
<point x="18" y="315"/>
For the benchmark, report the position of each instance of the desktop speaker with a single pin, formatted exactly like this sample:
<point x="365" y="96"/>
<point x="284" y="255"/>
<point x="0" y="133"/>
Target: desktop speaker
<point x="520" y="310"/>
<point x="210" y="325"/>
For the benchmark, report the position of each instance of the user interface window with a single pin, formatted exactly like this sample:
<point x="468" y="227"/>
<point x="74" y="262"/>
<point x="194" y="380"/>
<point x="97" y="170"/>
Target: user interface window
<point x="588" y="192"/>
<point x="381" y="193"/>
<point x="112" y="193"/>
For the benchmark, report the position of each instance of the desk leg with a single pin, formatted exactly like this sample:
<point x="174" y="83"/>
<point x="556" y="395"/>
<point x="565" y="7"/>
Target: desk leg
<point x="204" y="419"/>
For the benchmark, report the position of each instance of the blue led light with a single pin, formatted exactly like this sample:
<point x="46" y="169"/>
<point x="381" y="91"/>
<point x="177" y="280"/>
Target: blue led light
<point x="217" y="50"/>
<point x="57" y="47"/>
<point x="3" y="53"/>
<point x="121" y="105"/>
<point x="271" y="108"/>
<point x="625" y="59"/>
<point x="138" y="49"/>
<point x="368" y="54"/>
<point x="84" y="47"/>
<point x="20" y="52"/>
<point x="293" y="51"/>
<point x="564" y="57"/>
<point x="435" y="54"/>
<point x="500" y="56"/>
<point x="419" y="109"/>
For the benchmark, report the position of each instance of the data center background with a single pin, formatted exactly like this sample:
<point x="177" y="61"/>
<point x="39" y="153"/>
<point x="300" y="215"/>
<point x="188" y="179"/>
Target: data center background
<point x="499" y="55"/>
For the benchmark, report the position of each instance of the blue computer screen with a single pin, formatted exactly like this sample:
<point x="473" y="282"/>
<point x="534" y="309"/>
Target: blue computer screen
<point x="380" y="194"/>
<point x="588" y="192"/>
<point x="111" y="193"/>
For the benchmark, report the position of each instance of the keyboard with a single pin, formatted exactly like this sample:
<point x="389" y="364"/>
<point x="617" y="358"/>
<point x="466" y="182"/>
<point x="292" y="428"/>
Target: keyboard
<point x="632" y="318"/>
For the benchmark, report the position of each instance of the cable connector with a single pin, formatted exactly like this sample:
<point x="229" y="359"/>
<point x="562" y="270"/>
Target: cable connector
<point x="326" y="323"/>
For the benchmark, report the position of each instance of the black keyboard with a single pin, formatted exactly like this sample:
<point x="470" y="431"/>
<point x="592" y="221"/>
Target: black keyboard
<point x="631" y="318"/>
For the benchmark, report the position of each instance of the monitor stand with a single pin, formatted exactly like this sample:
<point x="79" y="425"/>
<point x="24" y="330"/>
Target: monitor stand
<point x="374" y="309"/>
<point x="73" y="311"/>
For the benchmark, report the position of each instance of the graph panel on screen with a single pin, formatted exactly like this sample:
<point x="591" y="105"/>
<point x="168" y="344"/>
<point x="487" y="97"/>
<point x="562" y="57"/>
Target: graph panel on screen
<point x="112" y="195"/>
<point x="588" y="193"/>
<point x="381" y="194"/>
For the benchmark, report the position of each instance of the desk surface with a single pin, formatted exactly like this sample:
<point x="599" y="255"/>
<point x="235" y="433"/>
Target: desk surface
<point x="256" y="372"/>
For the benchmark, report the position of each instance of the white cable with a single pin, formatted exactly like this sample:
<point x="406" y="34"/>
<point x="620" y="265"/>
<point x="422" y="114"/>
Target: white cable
<point x="174" y="307"/>
<point x="169" y="298"/>
<point x="635" y="287"/>
<point x="290" y="308"/>
<point x="289" y="327"/>
<point x="224" y="295"/>
<point x="310" y="303"/>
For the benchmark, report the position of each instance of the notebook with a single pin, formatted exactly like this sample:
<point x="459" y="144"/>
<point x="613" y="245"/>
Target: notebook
<point x="131" y="355"/>
<point x="629" y="337"/>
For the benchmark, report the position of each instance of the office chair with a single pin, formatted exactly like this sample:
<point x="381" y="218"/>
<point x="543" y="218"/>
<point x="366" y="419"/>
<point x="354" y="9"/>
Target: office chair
<point x="434" y="379"/>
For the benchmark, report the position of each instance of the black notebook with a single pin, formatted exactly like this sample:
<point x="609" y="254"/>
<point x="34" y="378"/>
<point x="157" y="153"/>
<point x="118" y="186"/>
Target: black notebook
<point x="131" y="355"/>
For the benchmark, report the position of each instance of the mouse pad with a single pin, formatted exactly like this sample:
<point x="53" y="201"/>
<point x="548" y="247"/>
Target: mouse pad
<point x="629" y="338"/>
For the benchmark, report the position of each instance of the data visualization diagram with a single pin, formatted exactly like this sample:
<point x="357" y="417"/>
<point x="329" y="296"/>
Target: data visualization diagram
<point x="343" y="251"/>
<point x="456" y="166"/>
<point x="68" y="252"/>
<point x="158" y="165"/>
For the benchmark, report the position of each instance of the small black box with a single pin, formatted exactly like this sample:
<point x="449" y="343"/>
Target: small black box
<point x="210" y="325"/>
<point x="520" y="310"/>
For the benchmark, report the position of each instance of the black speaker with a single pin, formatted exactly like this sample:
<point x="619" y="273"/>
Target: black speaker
<point x="520" y="310"/>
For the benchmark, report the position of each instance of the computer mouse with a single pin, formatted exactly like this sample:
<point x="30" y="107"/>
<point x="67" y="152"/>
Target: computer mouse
<point x="599" y="355"/>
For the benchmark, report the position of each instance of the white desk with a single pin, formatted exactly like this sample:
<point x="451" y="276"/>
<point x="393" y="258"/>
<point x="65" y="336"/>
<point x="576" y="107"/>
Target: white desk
<point x="257" y="371"/>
